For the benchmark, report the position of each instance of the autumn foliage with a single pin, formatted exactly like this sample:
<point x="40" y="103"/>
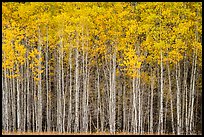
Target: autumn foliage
<point x="102" y="66"/>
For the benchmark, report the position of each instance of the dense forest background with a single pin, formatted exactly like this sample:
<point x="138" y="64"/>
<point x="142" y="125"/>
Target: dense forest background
<point x="102" y="67"/>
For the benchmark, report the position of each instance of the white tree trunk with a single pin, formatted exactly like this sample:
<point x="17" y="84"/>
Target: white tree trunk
<point x="178" y="103"/>
<point x="5" y="94"/>
<point x="70" y="91"/>
<point x="113" y="91"/>
<point x="134" y="118"/>
<point x="161" y="98"/>
<point x="47" y="84"/>
<point x="171" y="101"/>
<point x="193" y="95"/>
<point x="152" y="97"/>
<point x="18" y="106"/>
<point x="124" y="109"/>
<point x="63" y="91"/>
<point x="98" y="99"/>
<point x="39" y="89"/>
<point x="77" y="89"/>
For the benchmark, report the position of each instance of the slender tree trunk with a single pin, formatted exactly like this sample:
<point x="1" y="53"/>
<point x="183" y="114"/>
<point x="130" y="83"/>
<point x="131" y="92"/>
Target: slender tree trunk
<point x="59" y="92"/>
<point x="33" y="105"/>
<point x="14" y="101"/>
<point x="21" y="89"/>
<point x="152" y="97"/>
<point x="134" y="111"/>
<point x="196" y="112"/>
<point x="11" y="103"/>
<point x="161" y="97"/>
<point x="24" y="101"/>
<point x="190" y="96"/>
<point x="183" y="107"/>
<point x="165" y="117"/>
<point x="87" y="87"/>
<point x="70" y="92"/>
<point x="193" y="95"/>
<point x="124" y="109"/>
<point x="84" y="90"/>
<point x="9" y="111"/>
<point x="63" y="91"/>
<point x="87" y="99"/>
<point x="84" y="98"/>
<point x="3" y="103"/>
<point x="50" y="99"/>
<point x="185" y="91"/>
<point x="102" y="112"/>
<point x="98" y="98"/>
<point x="193" y="81"/>
<point x="18" y="106"/>
<point x="6" y="101"/>
<point x="186" y="97"/>
<point x="28" y="96"/>
<point x="139" y="106"/>
<point x="128" y="114"/>
<point x="171" y="101"/>
<point x="47" y="84"/>
<point x="178" y="102"/>
<point x="113" y="88"/>
<point x="39" y="88"/>
<point x="77" y="89"/>
<point x="110" y="100"/>
<point x="148" y="107"/>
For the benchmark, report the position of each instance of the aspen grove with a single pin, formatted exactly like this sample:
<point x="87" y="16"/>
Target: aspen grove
<point x="87" y="67"/>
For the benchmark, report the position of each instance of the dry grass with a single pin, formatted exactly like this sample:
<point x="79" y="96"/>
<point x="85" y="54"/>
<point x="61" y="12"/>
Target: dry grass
<point x="66" y="133"/>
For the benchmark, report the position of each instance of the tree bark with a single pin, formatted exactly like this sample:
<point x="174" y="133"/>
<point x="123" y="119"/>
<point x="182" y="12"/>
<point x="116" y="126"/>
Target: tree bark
<point x="5" y="94"/>
<point x="47" y="83"/>
<point x="18" y="106"/>
<point x="70" y="91"/>
<point x="178" y="102"/>
<point x="124" y="108"/>
<point x="193" y="95"/>
<point x="76" y="89"/>
<point x="171" y="100"/>
<point x="161" y="97"/>
<point x="152" y="97"/>
<point x="39" y="88"/>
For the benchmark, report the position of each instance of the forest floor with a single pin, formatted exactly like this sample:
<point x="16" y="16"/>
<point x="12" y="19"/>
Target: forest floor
<point x="66" y="133"/>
